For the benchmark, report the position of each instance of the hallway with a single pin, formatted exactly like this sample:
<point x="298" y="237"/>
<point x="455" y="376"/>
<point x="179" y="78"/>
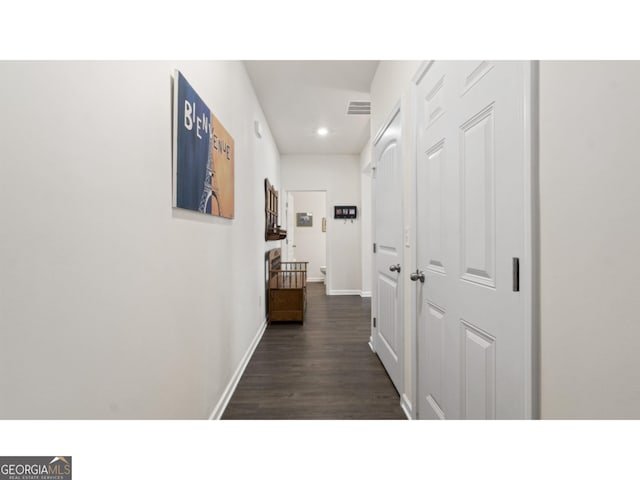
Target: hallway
<point x="323" y="369"/>
<point x="495" y="240"/>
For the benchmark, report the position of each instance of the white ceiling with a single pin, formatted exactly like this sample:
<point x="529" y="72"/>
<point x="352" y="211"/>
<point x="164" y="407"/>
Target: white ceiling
<point x="299" y="96"/>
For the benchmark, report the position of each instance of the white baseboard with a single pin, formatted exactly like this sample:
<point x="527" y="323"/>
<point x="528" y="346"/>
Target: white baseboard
<point x="315" y="279"/>
<point x="371" y="345"/>
<point x="405" y="404"/>
<point x="344" y="292"/>
<point x="233" y="383"/>
<point x="365" y="294"/>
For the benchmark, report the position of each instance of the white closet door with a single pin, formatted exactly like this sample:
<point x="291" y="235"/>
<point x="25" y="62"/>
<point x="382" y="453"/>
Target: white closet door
<point x="473" y="336"/>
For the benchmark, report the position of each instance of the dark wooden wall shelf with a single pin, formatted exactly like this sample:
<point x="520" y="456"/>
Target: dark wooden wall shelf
<point x="277" y="235"/>
<point x="272" y="230"/>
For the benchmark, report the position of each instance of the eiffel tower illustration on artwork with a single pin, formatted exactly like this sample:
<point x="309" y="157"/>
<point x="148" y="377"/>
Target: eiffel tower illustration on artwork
<point x="211" y="189"/>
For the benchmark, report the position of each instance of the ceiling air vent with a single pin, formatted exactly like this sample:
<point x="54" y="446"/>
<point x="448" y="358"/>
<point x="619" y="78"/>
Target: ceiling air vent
<point x="359" y="108"/>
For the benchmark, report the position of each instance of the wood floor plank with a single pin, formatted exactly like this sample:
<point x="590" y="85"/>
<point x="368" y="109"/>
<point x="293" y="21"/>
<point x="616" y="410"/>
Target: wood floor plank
<point x="322" y="369"/>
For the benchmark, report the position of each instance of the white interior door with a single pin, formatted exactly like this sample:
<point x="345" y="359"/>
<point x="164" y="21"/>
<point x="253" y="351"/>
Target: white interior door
<point x="290" y="255"/>
<point x="473" y="337"/>
<point x="388" y="286"/>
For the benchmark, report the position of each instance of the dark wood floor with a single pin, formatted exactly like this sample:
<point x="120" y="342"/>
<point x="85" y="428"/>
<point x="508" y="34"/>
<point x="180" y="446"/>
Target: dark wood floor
<point x="323" y="369"/>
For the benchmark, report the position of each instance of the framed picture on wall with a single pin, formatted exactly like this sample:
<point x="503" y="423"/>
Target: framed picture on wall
<point x="345" y="212"/>
<point x="304" y="219"/>
<point x="203" y="155"/>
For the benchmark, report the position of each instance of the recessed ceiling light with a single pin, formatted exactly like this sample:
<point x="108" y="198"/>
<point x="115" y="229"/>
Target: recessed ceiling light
<point x="322" y="131"/>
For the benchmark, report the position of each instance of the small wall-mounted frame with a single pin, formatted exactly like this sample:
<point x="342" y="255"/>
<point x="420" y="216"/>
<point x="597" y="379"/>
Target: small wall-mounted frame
<point x="304" y="219"/>
<point x="345" y="211"/>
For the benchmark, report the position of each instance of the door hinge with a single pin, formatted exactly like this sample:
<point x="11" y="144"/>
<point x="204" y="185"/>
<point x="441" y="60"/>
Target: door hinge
<point x="374" y="248"/>
<point x="516" y="274"/>
<point x="374" y="322"/>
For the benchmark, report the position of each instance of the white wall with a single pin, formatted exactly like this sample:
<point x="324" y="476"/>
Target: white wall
<point x="112" y="304"/>
<point x="365" y="219"/>
<point x="339" y="175"/>
<point x="590" y="233"/>
<point x="391" y="80"/>
<point x="311" y="242"/>
<point x="391" y="85"/>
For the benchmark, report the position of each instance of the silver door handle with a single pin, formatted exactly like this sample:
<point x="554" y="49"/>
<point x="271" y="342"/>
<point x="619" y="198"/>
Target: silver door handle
<point x="417" y="275"/>
<point x="395" y="268"/>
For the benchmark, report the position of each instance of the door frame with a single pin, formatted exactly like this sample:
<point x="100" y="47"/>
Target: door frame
<point x="395" y="111"/>
<point x="530" y="263"/>
<point x="285" y="209"/>
<point x="328" y="232"/>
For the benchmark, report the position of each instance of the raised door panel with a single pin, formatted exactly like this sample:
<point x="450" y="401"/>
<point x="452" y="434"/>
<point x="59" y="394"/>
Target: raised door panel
<point x="477" y="171"/>
<point x="478" y="373"/>
<point x="387" y="308"/>
<point x="435" y="206"/>
<point x="388" y="203"/>
<point x="434" y="103"/>
<point x="435" y="358"/>
<point x="473" y="76"/>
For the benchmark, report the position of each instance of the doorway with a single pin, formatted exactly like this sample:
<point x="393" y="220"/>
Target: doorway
<point x="306" y="213"/>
